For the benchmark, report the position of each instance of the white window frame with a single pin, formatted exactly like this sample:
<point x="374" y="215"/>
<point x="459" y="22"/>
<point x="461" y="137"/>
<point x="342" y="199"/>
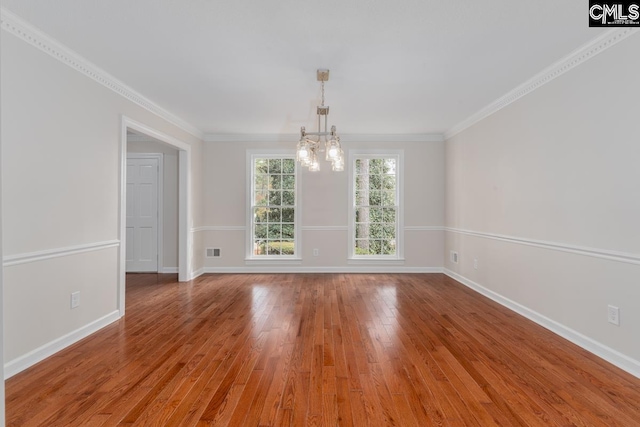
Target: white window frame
<point x="398" y="257"/>
<point x="250" y="257"/>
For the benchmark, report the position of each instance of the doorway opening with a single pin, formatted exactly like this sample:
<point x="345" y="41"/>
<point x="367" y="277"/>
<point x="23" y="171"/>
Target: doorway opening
<point x="130" y="128"/>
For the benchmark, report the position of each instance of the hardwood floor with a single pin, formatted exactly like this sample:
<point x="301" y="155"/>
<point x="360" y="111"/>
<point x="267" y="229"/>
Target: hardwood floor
<point x="312" y="349"/>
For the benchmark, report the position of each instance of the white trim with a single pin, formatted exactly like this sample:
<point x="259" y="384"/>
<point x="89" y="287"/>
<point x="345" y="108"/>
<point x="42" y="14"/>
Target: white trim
<point x="26" y="258"/>
<point x="423" y="228"/>
<point x="348" y="269"/>
<point x="311" y="228"/>
<point x="185" y="238"/>
<point x="622" y="361"/>
<point x="169" y="270"/>
<point x="35" y="37"/>
<point x="197" y="273"/>
<point x="369" y="260"/>
<point x="295" y="137"/>
<point x="325" y="228"/>
<point x="25" y="361"/>
<point x="273" y="261"/>
<point x="160" y="231"/>
<point x="625" y="257"/>
<point x="575" y="58"/>
<point x="218" y="228"/>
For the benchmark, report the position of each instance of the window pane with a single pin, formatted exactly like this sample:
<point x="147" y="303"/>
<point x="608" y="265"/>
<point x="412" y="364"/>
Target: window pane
<point x="274" y="215"/>
<point x="362" y="215"/>
<point x="375" y="166"/>
<point x="260" y="247"/>
<point x="260" y="214"/>
<point x="389" y="182"/>
<point x="389" y="166"/>
<point x="275" y="198"/>
<point x="375" y="231"/>
<point x="375" y="214"/>
<point x="273" y="248"/>
<point x="287" y="247"/>
<point x="275" y="166"/>
<point x="390" y="215"/>
<point x="288" y="198"/>
<point x="375" y="247"/>
<point x="389" y="247"/>
<point x="288" y="231"/>
<point x="260" y="198"/>
<point x="362" y="246"/>
<point x="362" y="230"/>
<point x="375" y="182"/>
<point x="375" y="198"/>
<point x="288" y="166"/>
<point x="260" y="231"/>
<point x="288" y="182"/>
<point x="275" y="232"/>
<point x="288" y="215"/>
<point x="261" y="166"/>
<point x="261" y="183"/>
<point x="389" y="198"/>
<point x="389" y="231"/>
<point x="275" y="182"/>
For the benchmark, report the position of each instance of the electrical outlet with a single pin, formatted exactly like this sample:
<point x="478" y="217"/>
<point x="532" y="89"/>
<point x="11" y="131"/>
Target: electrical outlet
<point x="613" y="315"/>
<point x="75" y="299"/>
<point x="475" y="263"/>
<point x="316" y="252"/>
<point x="453" y="257"/>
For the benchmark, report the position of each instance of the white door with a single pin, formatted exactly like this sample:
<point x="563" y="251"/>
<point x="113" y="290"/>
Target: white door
<point x="142" y="215"/>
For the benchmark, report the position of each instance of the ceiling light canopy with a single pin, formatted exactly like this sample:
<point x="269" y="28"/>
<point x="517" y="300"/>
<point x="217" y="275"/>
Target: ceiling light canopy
<point x="312" y="144"/>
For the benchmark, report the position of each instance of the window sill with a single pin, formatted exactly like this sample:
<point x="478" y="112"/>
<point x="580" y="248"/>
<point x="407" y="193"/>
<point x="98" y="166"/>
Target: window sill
<point x="375" y="260"/>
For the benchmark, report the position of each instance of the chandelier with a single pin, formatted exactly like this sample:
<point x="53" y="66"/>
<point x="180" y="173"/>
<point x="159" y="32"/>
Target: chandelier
<point x="312" y="144"/>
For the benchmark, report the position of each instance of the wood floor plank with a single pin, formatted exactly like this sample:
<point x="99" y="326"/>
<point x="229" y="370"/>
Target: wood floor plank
<point x="319" y="349"/>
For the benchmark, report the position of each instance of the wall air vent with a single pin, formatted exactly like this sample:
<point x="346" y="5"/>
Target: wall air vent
<point x="213" y="252"/>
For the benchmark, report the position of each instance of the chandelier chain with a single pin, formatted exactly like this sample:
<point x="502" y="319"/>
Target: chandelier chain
<point x="322" y="104"/>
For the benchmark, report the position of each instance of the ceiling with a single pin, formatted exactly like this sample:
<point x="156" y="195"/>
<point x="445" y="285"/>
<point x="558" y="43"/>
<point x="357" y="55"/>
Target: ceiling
<point x="249" y="66"/>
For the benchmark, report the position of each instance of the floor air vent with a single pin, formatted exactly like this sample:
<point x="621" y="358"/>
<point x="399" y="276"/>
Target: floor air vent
<point x="213" y="252"/>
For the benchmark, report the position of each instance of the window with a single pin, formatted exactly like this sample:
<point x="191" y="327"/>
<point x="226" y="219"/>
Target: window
<point x="375" y="215"/>
<point x="272" y="207"/>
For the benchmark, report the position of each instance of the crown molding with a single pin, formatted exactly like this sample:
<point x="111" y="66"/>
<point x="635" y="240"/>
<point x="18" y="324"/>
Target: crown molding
<point x="575" y="58"/>
<point x="12" y="24"/>
<point x="295" y="137"/>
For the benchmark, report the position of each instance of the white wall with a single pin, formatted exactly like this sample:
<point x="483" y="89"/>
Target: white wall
<point x="1" y="279"/>
<point x="169" y="197"/>
<point x="545" y="194"/>
<point x="61" y="134"/>
<point x="324" y="208"/>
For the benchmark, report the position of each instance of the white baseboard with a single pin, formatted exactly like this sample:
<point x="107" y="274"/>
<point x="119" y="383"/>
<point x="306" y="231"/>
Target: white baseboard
<point x="197" y="273"/>
<point x="347" y="269"/>
<point x="168" y="270"/>
<point x="23" y="362"/>
<point x="612" y="356"/>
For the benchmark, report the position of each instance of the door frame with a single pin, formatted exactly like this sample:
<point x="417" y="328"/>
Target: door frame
<point x="160" y="208"/>
<point x="184" y="202"/>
